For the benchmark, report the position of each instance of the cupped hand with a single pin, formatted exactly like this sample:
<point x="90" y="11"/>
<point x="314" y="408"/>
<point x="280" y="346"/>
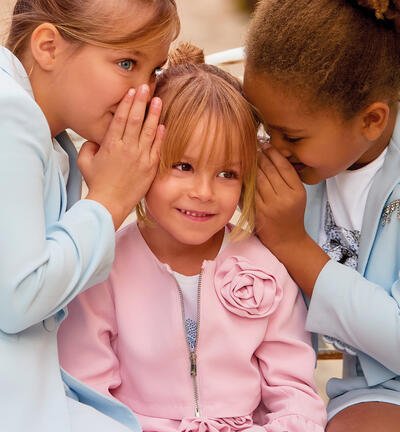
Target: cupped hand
<point x="280" y="201"/>
<point x="119" y="171"/>
<point x="280" y="206"/>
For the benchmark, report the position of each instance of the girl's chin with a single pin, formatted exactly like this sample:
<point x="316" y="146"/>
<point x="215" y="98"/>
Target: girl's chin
<point x="93" y="137"/>
<point x="311" y="180"/>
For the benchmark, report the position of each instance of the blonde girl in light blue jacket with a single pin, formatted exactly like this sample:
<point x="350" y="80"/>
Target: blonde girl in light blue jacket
<point x="89" y="66"/>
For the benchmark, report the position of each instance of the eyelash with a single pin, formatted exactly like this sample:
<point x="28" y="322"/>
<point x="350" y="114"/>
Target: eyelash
<point x="290" y="139"/>
<point x="180" y="166"/>
<point x="232" y="174"/>
<point x="132" y="64"/>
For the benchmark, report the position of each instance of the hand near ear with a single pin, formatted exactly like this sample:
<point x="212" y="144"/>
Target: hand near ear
<point x="120" y="170"/>
<point x="280" y="200"/>
<point x="280" y="206"/>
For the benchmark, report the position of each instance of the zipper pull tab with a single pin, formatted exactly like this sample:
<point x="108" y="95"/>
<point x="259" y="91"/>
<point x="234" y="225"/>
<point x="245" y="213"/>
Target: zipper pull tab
<point x="193" y="366"/>
<point x="197" y="413"/>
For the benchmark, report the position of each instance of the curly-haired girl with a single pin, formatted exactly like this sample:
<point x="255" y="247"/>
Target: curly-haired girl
<point x="325" y="75"/>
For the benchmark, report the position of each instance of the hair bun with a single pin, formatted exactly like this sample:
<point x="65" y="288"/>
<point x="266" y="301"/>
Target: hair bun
<point x="384" y="9"/>
<point x="186" y="53"/>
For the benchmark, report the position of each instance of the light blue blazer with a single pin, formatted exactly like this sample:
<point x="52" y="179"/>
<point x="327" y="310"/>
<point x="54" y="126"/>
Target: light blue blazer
<point x="362" y="308"/>
<point x="50" y="250"/>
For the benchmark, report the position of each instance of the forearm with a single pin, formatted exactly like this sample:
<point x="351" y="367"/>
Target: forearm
<point x="303" y="259"/>
<point x="348" y="307"/>
<point x="43" y="270"/>
<point x="118" y="210"/>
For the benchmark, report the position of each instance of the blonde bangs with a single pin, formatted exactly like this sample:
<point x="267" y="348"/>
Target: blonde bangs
<point x="229" y="119"/>
<point x="181" y="117"/>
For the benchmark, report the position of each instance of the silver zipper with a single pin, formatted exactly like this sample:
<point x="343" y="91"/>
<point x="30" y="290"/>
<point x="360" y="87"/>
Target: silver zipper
<point x="193" y="355"/>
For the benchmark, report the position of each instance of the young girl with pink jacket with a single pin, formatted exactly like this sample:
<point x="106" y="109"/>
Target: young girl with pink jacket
<point x="198" y="327"/>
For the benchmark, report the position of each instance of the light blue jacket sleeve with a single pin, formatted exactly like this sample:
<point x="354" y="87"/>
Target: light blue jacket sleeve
<point x="47" y="255"/>
<point x="364" y="315"/>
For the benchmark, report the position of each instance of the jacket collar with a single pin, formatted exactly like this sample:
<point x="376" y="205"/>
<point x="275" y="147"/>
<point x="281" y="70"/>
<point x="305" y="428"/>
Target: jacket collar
<point x="386" y="179"/>
<point x="74" y="184"/>
<point x="140" y="242"/>
<point x="13" y="67"/>
<point x="10" y="65"/>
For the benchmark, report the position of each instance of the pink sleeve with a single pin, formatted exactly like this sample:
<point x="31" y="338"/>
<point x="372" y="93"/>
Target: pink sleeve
<point x="287" y="361"/>
<point x="86" y="339"/>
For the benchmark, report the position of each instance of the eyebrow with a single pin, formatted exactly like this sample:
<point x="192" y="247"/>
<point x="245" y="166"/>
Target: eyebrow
<point x="136" y="53"/>
<point x="285" y="129"/>
<point x="143" y="55"/>
<point x="190" y="160"/>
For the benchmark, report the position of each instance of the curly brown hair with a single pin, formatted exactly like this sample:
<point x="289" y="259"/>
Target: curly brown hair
<point x="338" y="53"/>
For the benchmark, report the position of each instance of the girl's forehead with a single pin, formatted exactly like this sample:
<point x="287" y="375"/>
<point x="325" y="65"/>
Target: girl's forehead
<point x="278" y="105"/>
<point x="214" y="142"/>
<point x="133" y="23"/>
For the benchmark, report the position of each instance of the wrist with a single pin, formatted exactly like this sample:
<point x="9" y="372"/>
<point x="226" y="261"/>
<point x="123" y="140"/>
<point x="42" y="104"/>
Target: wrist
<point x="293" y="245"/>
<point x="303" y="258"/>
<point x="117" y="210"/>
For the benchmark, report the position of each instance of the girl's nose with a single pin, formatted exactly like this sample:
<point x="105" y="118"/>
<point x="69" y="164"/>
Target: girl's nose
<point x="281" y="146"/>
<point x="285" y="152"/>
<point x="202" y="189"/>
<point x="150" y="80"/>
<point x="152" y="87"/>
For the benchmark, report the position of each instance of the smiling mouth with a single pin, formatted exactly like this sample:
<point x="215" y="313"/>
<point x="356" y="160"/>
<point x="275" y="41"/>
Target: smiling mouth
<point x="195" y="214"/>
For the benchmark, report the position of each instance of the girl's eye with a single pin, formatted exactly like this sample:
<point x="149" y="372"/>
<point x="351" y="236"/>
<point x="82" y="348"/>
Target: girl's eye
<point x="291" y="139"/>
<point x="182" y="166"/>
<point x="228" y="175"/>
<point x="126" y="64"/>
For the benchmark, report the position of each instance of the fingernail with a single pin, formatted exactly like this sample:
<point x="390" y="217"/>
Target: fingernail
<point x="145" y="89"/>
<point x="156" y="102"/>
<point x="131" y="92"/>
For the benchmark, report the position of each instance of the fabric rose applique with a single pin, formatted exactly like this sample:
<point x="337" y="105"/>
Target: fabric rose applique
<point x="246" y="290"/>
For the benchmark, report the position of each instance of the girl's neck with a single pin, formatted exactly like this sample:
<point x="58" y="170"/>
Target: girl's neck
<point x="183" y="258"/>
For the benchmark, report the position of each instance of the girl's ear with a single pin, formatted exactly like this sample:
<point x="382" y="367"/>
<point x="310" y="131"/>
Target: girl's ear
<point x="374" y="120"/>
<point x="46" y="45"/>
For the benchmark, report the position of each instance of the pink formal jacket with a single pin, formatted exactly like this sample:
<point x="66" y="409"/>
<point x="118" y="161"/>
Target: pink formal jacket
<point x="253" y="364"/>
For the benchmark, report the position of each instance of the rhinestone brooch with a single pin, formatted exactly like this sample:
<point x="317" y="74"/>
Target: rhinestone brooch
<point x="389" y="210"/>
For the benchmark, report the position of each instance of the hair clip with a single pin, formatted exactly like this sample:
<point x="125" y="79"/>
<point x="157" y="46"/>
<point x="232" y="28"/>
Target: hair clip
<point x="263" y="143"/>
<point x="389" y="210"/>
<point x="263" y="139"/>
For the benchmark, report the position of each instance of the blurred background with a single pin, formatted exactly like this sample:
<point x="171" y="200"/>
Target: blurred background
<point x="214" y="25"/>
